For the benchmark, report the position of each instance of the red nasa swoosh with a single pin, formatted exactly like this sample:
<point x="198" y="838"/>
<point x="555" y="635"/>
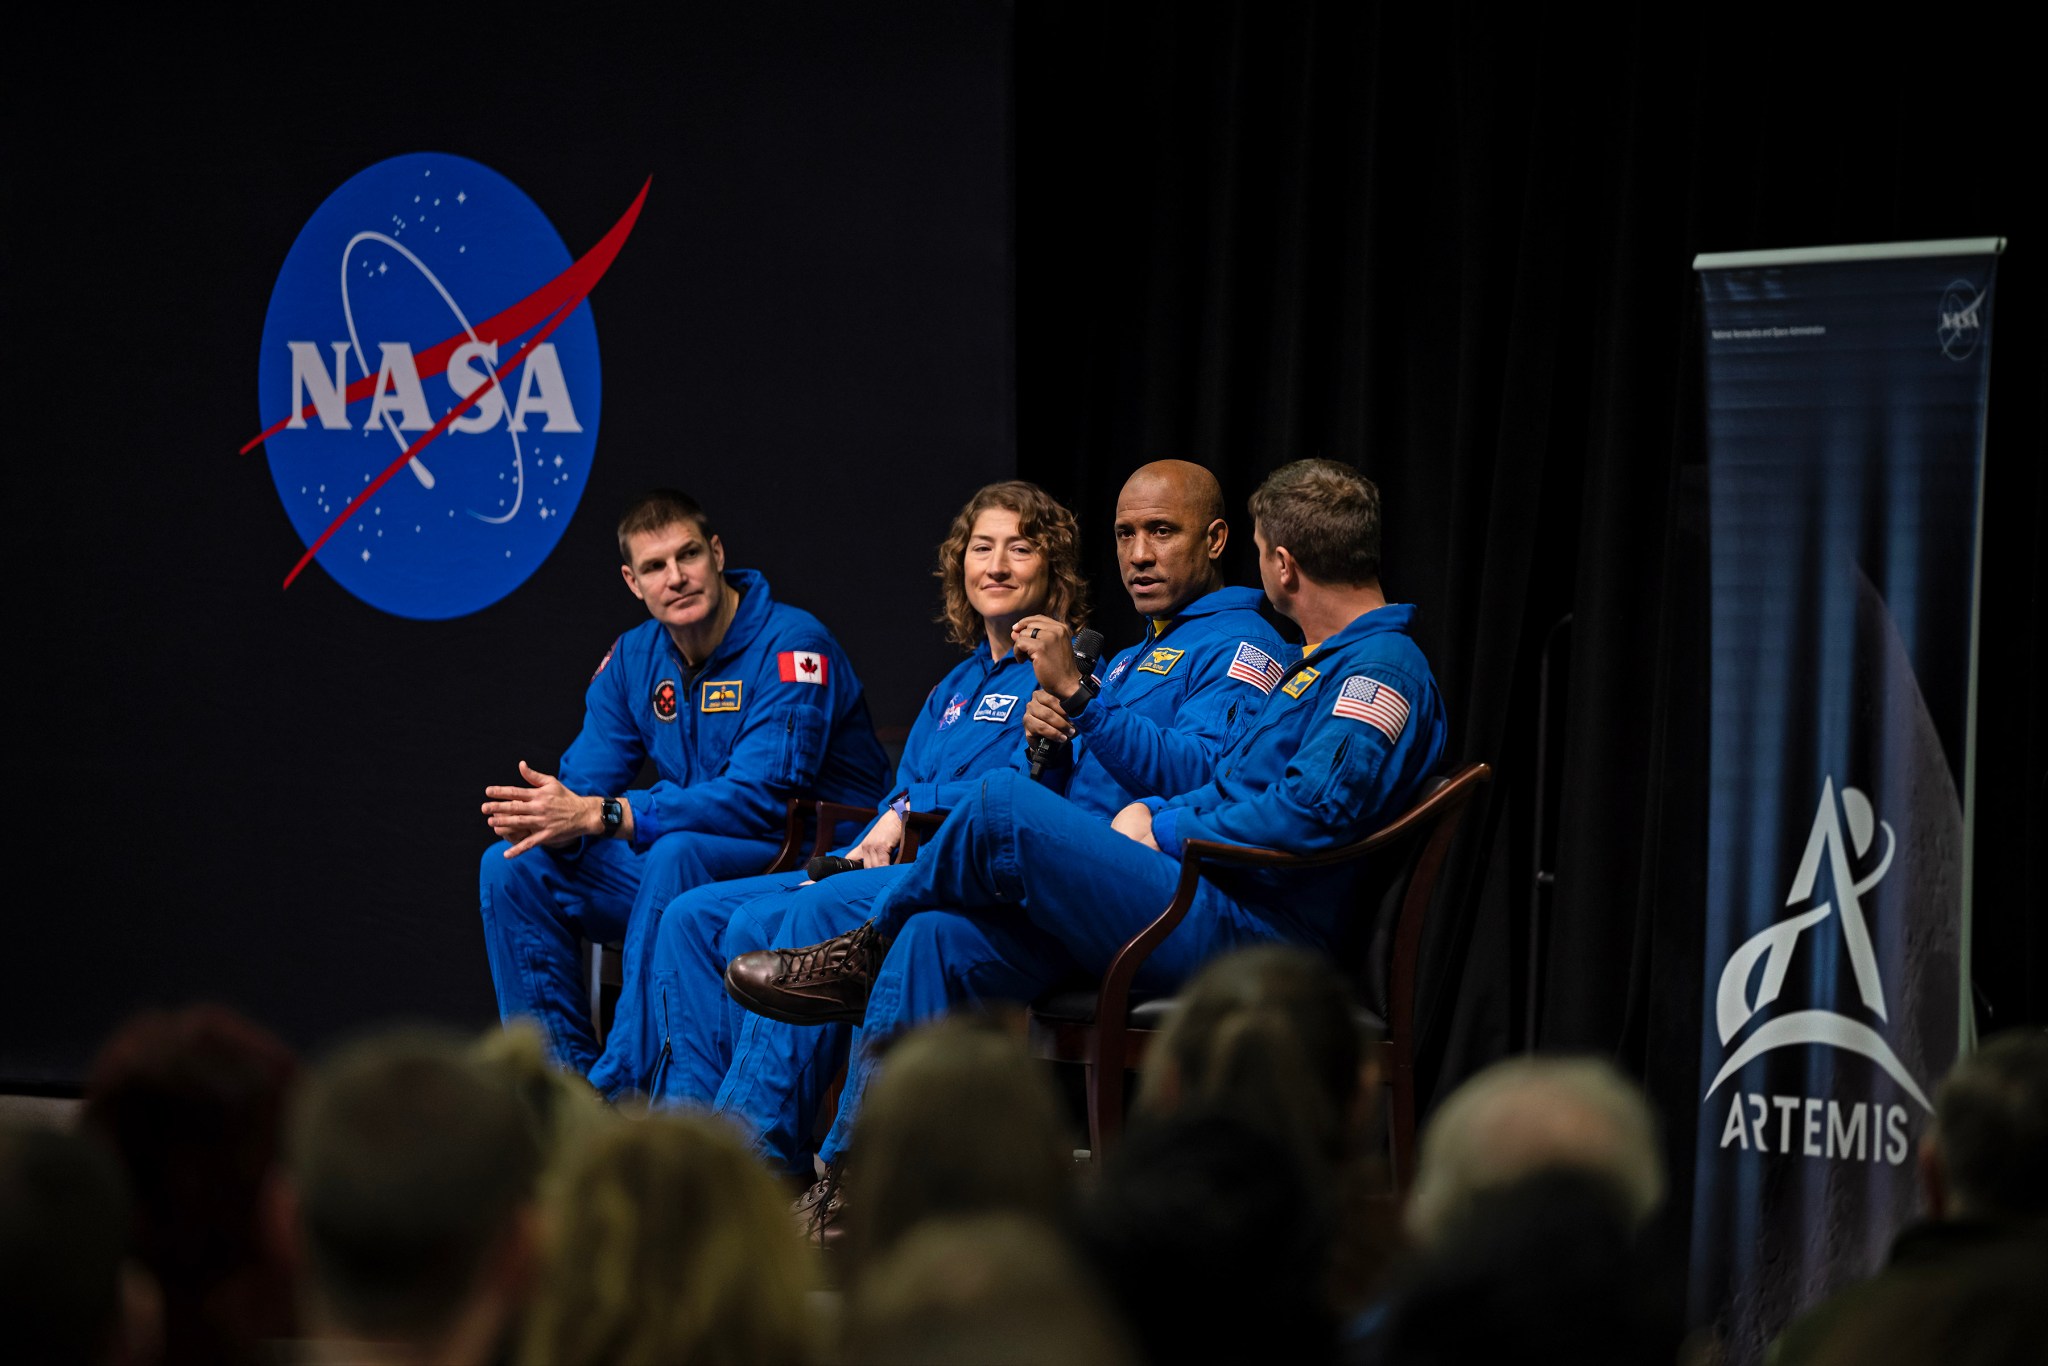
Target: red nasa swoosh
<point x="553" y="301"/>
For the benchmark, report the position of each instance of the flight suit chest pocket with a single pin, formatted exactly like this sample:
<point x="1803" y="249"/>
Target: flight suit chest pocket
<point x="803" y="746"/>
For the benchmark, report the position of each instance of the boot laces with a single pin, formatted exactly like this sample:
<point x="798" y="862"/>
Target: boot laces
<point x="831" y="958"/>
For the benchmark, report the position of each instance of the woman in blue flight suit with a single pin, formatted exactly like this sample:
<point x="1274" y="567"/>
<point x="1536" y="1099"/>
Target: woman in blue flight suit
<point x="1012" y="552"/>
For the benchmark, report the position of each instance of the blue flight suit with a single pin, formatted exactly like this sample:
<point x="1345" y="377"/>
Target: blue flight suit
<point x="775" y="711"/>
<point x="972" y="722"/>
<point x="1169" y="705"/>
<point x="1018" y="889"/>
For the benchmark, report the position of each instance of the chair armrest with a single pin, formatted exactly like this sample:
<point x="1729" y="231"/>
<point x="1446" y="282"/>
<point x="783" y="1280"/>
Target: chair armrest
<point x="918" y="826"/>
<point x="825" y="817"/>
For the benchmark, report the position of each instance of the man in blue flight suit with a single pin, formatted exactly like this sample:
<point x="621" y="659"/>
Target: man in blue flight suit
<point x="1011" y="552"/>
<point x="1168" y="706"/>
<point x="738" y="700"/>
<point x="1018" y="887"/>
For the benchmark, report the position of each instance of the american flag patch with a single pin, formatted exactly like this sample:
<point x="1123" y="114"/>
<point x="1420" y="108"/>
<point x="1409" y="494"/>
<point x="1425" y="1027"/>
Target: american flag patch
<point x="1373" y="702"/>
<point x="1256" y="667"/>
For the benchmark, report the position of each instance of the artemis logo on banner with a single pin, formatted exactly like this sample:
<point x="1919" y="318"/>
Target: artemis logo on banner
<point x="429" y="323"/>
<point x="1962" y="324"/>
<point x="1735" y="1007"/>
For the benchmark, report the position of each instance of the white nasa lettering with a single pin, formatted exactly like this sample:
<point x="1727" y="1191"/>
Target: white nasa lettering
<point x="465" y="378"/>
<point x="1859" y="1131"/>
<point x="398" y="387"/>
<point x="543" y="390"/>
<point x="1956" y="322"/>
<point x="310" y="377"/>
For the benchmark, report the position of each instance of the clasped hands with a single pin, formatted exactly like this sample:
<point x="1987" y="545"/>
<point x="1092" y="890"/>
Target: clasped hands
<point x="544" y="812"/>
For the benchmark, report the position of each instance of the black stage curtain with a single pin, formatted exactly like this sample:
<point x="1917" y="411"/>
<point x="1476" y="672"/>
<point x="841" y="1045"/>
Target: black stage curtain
<point x="1453" y="245"/>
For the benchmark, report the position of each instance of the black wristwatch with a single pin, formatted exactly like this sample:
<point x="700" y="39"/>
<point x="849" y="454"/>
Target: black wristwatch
<point x="614" y="813"/>
<point x="1083" y="695"/>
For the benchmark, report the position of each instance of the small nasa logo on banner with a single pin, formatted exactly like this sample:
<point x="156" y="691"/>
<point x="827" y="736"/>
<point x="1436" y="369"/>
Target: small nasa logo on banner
<point x="429" y="384"/>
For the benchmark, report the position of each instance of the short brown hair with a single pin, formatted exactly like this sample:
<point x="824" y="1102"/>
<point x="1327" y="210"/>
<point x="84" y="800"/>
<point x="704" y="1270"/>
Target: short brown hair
<point x="1327" y="514"/>
<point x="411" y="1164"/>
<point x="656" y="509"/>
<point x="1042" y="520"/>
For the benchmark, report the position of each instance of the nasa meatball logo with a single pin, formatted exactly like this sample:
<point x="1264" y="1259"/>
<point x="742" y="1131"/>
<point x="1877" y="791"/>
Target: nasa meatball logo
<point x="429" y="384"/>
<point x="665" y="699"/>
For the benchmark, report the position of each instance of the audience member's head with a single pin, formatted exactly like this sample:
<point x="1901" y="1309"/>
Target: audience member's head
<point x="1982" y="1306"/>
<point x="1530" y="1114"/>
<point x="1267" y="1035"/>
<point x="1213" y="1243"/>
<point x="63" y="1233"/>
<point x="1551" y="1267"/>
<point x="414" y="1174"/>
<point x="1984" y="1158"/>
<point x="567" y="1114"/>
<point x="958" y="1120"/>
<point x="193" y="1104"/>
<point x="668" y="1241"/>
<point x="987" y="1290"/>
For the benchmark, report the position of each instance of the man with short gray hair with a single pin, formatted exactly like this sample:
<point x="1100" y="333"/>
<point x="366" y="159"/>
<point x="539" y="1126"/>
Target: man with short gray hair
<point x="1527" y="1115"/>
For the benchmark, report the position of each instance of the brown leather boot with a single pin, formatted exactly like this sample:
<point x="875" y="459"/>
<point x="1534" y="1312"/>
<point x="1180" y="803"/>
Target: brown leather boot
<point x="820" y="1211"/>
<point x="822" y="984"/>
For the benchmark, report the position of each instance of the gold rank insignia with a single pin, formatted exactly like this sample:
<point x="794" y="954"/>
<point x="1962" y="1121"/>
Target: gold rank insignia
<point x="720" y="696"/>
<point x="1161" y="661"/>
<point x="1297" y="685"/>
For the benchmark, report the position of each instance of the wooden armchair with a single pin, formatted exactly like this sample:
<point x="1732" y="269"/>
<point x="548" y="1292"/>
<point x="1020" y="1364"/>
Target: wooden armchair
<point x="1107" y="1032"/>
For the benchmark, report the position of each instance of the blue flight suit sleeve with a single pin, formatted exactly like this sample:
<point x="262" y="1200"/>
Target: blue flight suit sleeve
<point x="1340" y="782"/>
<point x="606" y="754"/>
<point x="782" y="738"/>
<point x="1144" y="756"/>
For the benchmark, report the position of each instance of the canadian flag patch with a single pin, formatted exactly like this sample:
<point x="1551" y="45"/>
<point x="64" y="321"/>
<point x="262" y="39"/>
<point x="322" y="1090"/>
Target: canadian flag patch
<point x="801" y="666"/>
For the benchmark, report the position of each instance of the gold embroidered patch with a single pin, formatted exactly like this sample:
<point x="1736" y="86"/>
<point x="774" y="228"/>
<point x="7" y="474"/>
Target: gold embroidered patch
<point x="1161" y="661"/>
<point x="720" y="696"/>
<point x="1297" y="685"/>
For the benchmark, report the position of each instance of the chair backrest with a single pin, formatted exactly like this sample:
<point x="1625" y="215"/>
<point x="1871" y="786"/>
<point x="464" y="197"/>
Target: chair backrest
<point x="1396" y="887"/>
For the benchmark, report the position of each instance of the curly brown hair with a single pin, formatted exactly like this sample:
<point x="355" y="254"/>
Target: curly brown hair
<point x="1041" y="519"/>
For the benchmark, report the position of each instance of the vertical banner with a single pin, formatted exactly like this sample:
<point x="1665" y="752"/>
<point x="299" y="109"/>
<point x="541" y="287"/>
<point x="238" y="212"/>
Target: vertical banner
<point x="1846" y="394"/>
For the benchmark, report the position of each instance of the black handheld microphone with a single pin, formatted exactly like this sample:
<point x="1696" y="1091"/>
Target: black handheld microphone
<point x="1087" y="650"/>
<point x="825" y="865"/>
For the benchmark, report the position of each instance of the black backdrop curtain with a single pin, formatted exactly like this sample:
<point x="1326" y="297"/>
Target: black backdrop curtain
<point x="1452" y="245"/>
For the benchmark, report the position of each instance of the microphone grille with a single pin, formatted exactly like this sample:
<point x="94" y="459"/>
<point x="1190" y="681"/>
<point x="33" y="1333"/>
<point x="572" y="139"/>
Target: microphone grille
<point x="1088" y="644"/>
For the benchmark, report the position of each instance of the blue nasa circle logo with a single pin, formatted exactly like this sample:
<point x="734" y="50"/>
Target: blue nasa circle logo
<point x="429" y="386"/>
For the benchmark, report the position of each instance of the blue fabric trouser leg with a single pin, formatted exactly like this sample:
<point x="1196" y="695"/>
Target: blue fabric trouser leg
<point x="941" y="961"/>
<point x="779" y="1073"/>
<point x="537" y="906"/>
<point x="1015" y="849"/>
<point x="692" y="1018"/>
<point x="1021" y="886"/>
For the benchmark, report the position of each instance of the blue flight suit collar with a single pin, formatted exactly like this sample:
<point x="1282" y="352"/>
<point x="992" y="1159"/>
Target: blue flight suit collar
<point x="747" y="622"/>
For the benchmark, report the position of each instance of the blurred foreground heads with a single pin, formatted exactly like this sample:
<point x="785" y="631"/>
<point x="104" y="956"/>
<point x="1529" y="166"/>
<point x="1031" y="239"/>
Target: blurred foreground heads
<point x="668" y="1242"/>
<point x="413" y="1173"/>
<point x="1529" y="1115"/>
<point x="193" y="1104"/>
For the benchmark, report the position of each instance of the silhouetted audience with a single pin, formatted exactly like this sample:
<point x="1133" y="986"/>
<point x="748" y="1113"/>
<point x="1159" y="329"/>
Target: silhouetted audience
<point x="413" y="1174"/>
<point x="1550" y="1267"/>
<point x="985" y="1290"/>
<point x="66" y="1298"/>
<point x="1213" y="1243"/>
<point x="1528" y="1115"/>
<point x="957" y="1121"/>
<point x="667" y="1241"/>
<point x="1269" y="1036"/>
<point x="567" y="1113"/>
<point x="1983" y="1170"/>
<point x="193" y="1104"/>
